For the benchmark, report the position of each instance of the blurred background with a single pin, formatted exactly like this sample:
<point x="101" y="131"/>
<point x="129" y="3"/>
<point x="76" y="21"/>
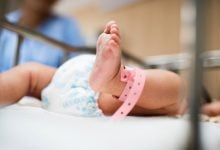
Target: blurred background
<point x="148" y="27"/>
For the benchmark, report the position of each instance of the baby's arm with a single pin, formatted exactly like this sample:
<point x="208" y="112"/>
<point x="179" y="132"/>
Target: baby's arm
<point x="26" y="79"/>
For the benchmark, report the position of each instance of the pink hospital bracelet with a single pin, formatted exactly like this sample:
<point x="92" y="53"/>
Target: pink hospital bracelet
<point x="135" y="84"/>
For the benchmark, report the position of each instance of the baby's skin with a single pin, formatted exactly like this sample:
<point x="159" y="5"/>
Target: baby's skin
<point x="212" y="109"/>
<point x="163" y="92"/>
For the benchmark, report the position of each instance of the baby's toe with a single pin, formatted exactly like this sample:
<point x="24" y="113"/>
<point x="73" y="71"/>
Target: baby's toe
<point x="115" y="26"/>
<point x="115" y="38"/>
<point x="113" y="44"/>
<point x="108" y="26"/>
<point x="115" y="31"/>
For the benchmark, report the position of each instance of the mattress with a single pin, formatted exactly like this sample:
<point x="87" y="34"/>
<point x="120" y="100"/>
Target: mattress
<point x="26" y="126"/>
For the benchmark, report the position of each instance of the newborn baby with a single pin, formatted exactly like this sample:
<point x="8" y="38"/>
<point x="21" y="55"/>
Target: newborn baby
<point x="90" y="85"/>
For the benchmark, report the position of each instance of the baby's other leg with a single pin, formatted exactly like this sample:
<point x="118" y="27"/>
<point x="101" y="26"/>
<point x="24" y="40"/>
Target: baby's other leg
<point x="26" y="79"/>
<point x="163" y="94"/>
<point x="109" y="106"/>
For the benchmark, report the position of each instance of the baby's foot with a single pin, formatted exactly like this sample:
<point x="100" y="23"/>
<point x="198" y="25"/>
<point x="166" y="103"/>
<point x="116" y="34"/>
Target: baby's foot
<point x="108" y="58"/>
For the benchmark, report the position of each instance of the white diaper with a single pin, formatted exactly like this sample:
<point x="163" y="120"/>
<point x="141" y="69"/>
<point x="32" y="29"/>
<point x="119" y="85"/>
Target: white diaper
<point x="69" y="91"/>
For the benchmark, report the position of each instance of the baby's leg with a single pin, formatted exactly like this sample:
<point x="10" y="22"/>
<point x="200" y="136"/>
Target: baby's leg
<point x="162" y="92"/>
<point x="26" y="79"/>
<point x="212" y="109"/>
<point x="109" y="105"/>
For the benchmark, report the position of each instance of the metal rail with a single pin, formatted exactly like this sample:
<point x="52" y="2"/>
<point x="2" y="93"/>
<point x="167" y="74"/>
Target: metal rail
<point x="28" y="33"/>
<point x="192" y="40"/>
<point x="211" y="60"/>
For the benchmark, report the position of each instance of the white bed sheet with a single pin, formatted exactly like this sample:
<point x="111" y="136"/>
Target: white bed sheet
<point x="33" y="128"/>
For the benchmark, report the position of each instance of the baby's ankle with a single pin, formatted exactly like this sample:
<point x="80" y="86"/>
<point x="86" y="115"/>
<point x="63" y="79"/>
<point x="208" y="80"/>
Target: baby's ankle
<point x="115" y="86"/>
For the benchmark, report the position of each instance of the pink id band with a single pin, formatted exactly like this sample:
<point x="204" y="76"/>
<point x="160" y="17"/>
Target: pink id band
<point x="135" y="84"/>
